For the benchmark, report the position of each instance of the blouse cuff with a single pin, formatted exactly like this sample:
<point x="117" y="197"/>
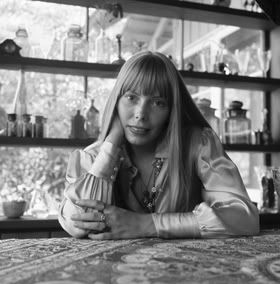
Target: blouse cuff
<point x="106" y="163"/>
<point x="176" y="225"/>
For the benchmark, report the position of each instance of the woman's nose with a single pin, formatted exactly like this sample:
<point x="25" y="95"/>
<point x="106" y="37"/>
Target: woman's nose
<point x="141" y="111"/>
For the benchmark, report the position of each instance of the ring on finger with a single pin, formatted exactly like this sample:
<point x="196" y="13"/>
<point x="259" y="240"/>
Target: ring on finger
<point x="103" y="217"/>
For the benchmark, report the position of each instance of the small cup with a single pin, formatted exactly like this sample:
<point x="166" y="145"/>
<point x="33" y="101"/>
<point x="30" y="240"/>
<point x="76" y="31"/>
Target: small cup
<point x="14" y="209"/>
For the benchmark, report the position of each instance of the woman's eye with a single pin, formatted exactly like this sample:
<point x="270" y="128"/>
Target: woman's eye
<point x="130" y="97"/>
<point x="160" y="103"/>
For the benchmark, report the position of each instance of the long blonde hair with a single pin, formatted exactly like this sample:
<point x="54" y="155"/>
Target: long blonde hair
<point x="153" y="71"/>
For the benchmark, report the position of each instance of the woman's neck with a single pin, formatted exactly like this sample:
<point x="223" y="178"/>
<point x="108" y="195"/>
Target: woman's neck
<point x="140" y="154"/>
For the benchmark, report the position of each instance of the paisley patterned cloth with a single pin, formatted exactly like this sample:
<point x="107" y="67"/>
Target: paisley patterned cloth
<point x="72" y="261"/>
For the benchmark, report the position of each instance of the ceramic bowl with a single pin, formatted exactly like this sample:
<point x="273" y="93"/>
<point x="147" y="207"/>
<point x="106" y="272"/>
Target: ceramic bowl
<point x="14" y="209"/>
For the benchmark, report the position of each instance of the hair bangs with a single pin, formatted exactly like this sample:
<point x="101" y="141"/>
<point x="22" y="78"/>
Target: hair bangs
<point x="149" y="77"/>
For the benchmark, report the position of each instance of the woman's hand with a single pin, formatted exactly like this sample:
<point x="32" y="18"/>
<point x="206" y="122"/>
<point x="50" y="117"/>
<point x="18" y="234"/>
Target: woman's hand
<point x="116" y="133"/>
<point x="111" y="222"/>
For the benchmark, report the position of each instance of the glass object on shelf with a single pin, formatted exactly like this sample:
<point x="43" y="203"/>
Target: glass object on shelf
<point x="92" y="121"/>
<point x="21" y="39"/>
<point x="39" y="203"/>
<point x="102" y="47"/>
<point x="209" y="114"/>
<point x="19" y="103"/>
<point x="224" y="3"/>
<point x="120" y="59"/>
<point x="237" y="127"/>
<point x="78" y="126"/>
<point x="11" y="129"/>
<point x="276" y="182"/>
<point x="242" y="58"/>
<point x="3" y="121"/>
<point x="269" y="200"/>
<point x="264" y="58"/>
<point x="26" y="125"/>
<point x="38" y="128"/>
<point x="75" y="47"/>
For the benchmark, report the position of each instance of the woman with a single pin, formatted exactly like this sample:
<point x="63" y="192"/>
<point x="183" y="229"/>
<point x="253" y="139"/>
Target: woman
<point x="158" y="168"/>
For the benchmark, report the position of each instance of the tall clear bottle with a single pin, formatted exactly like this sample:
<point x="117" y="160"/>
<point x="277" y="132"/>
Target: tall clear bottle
<point x="19" y="103"/>
<point x="102" y="47"/>
<point x="92" y="121"/>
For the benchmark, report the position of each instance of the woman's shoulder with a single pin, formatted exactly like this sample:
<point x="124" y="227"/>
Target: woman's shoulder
<point x="199" y="137"/>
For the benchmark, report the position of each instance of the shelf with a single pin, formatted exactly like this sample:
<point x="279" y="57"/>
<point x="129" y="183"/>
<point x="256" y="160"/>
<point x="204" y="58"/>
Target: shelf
<point x="44" y="142"/>
<point x="185" y="10"/>
<point x="111" y="71"/>
<point x="230" y="81"/>
<point x="59" y="67"/>
<point x="58" y="142"/>
<point x="252" y="148"/>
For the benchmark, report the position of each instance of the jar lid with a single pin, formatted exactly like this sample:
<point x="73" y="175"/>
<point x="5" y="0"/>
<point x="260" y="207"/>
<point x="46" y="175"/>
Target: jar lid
<point x="39" y="118"/>
<point x="236" y="105"/>
<point x="204" y="102"/>
<point x="21" y="32"/>
<point x="26" y="117"/>
<point x="75" y="31"/>
<point x="12" y="116"/>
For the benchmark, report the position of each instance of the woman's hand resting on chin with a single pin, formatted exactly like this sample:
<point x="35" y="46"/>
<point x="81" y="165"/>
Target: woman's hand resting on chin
<point x="111" y="222"/>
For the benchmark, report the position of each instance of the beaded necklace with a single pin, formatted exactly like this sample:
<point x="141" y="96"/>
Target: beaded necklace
<point x="150" y="197"/>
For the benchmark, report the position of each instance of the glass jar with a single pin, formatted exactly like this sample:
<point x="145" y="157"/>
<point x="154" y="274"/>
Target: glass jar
<point x="21" y="40"/>
<point x="38" y="129"/>
<point x="12" y="125"/>
<point x="237" y="125"/>
<point x="75" y="47"/>
<point x="26" y="126"/>
<point x="102" y="48"/>
<point x="209" y="114"/>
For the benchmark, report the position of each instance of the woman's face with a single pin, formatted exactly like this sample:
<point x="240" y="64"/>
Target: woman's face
<point x="143" y="117"/>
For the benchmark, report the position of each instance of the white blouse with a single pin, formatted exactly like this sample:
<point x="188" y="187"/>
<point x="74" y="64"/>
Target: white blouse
<point x="225" y="208"/>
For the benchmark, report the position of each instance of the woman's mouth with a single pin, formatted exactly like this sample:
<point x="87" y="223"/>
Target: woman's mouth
<point x="138" y="130"/>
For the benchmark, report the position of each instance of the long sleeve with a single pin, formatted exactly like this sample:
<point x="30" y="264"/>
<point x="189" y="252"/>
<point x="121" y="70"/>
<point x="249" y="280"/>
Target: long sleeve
<point x="90" y="175"/>
<point x="226" y="209"/>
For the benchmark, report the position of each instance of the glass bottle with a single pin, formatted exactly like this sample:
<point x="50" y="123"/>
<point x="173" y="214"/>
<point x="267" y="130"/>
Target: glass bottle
<point x="102" y="47"/>
<point x="38" y="127"/>
<point x="209" y="114"/>
<point x="92" y="121"/>
<point x="21" y="40"/>
<point x="237" y="125"/>
<point x="19" y="103"/>
<point x="77" y="126"/>
<point x="26" y="126"/>
<point x="75" y="47"/>
<point x="12" y="125"/>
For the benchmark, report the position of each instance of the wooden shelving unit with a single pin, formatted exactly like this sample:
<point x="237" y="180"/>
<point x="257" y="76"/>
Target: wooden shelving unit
<point x="111" y="71"/>
<point x="73" y="143"/>
<point x="185" y="10"/>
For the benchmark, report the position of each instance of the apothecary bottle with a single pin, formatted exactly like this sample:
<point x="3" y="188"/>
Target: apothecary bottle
<point x="92" y="121"/>
<point x="12" y="125"/>
<point x="38" y="128"/>
<point x="75" y="46"/>
<point x="26" y="125"/>
<point x="209" y="114"/>
<point x="237" y="127"/>
<point x="102" y="48"/>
